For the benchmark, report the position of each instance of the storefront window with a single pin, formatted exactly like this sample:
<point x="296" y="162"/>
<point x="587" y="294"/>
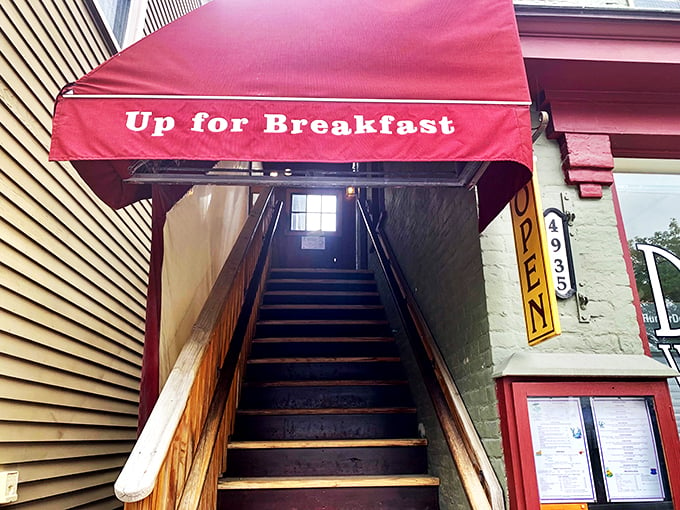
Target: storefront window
<point x="116" y="12"/>
<point x="650" y="206"/>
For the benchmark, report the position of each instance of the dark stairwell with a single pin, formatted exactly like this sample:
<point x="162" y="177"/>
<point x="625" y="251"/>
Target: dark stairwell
<point x="325" y="419"/>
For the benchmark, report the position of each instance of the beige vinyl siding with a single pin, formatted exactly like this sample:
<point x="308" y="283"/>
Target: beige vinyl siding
<point x="73" y="276"/>
<point x="161" y="12"/>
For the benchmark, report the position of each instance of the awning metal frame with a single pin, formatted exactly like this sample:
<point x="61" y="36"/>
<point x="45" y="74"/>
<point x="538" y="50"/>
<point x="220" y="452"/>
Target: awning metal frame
<point x="467" y="177"/>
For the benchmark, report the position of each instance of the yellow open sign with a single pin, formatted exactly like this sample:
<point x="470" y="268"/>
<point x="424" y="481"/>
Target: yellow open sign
<point x="533" y="262"/>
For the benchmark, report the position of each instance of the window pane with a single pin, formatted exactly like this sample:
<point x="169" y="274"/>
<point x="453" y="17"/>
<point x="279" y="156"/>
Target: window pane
<point x="313" y="222"/>
<point x="313" y="203"/>
<point x="328" y="222"/>
<point x="649" y="207"/>
<point x="297" y="221"/>
<point x="116" y="14"/>
<point x="298" y="203"/>
<point x="648" y="202"/>
<point x="657" y="4"/>
<point x="329" y="203"/>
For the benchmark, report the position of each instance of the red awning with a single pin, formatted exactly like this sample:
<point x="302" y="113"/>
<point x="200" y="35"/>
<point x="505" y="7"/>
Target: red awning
<point x="308" y="81"/>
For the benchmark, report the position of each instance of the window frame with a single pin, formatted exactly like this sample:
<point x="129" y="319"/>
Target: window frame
<point x="134" y="24"/>
<point x="320" y="191"/>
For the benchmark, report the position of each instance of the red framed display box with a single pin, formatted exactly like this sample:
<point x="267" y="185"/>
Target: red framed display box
<point x="513" y="395"/>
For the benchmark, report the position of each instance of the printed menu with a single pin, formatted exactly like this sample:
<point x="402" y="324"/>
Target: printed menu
<point x="629" y="458"/>
<point x="560" y="450"/>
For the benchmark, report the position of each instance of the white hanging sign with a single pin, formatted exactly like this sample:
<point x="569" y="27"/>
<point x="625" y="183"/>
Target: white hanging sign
<point x="559" y="250"/>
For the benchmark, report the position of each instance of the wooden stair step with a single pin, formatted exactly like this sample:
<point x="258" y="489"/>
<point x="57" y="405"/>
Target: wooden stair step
<point x="326" y="306"/>
<point x="325" y="339"/>
<point x="320" y="459"/>
<point x="317" y="360"/>
<point x="316" y="297"/>
<point x="327" y="311"/>
<point x="325" y="443"/>
<point x="320" y="284"/>
<point x="343" y="382"/>
<point x="330" y="410"/>
<point x="334" y="368"/>
<point x="323" y="482"/>
<point x="320" y="293"/>
<point x="409" y="496"/>
<point x="320" y="280"/>
<point x="322" y="322"/>
<point x="290" y="272"/>
<point x="323" y="327"/>
<point x="352" y="396"/>
<point x="320" y="269"/>
<point x="324" y="347"/>
<point x="256" y="425"/>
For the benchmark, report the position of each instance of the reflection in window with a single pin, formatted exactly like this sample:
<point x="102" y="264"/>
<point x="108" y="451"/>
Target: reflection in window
<point x="116" y="13"/>
<point x="657" y="4"/>
<point x="650" y="207"/>
<point x="648" y="202"/>
<point x="313" y="213"/>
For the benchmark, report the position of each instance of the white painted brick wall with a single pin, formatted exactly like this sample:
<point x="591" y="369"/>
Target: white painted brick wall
<point x="601" y="269"/>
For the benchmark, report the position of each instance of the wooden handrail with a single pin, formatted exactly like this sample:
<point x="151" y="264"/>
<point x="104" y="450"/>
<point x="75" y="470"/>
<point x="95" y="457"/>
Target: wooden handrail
<point x="480" y="483"/>
<point x="157" y="470"/>
<point x="202" y="479"/>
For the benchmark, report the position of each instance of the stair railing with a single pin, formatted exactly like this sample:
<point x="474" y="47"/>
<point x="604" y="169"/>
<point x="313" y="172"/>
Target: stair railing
<point x="182" y="449"/>
<point x="480" y="483"/>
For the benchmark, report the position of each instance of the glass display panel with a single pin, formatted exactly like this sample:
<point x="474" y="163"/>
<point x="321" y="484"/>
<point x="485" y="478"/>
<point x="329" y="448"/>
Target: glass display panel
<point x="630" y="462"/>
<point x="560" y="450"/>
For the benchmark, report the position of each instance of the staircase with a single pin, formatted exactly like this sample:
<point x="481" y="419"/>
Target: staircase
<point x="325" y="420"/>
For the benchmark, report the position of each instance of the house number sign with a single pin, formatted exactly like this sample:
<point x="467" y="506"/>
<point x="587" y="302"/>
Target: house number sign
<point x="559" y="248"/>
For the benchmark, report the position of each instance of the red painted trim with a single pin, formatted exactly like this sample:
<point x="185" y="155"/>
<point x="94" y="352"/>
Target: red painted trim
<point x="513" y="468"/>
<point x="519" y="461"/>
<point x="592" y="176"/>
<point x="625" y="116"/>
<point x="550" y="47"/>
<point x="609" y="26"/>
<point x="629" y="269"/>
<point x="587" y="162"/>
<point x="525" y="448"/>
<point x="590" y="190"/>
<point x="669" y="436"/>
